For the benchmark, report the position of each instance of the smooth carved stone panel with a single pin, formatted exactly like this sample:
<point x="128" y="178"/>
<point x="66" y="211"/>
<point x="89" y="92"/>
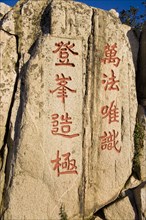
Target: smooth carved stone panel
<point x="63" y="137"/>
<point x="50" y="153"/>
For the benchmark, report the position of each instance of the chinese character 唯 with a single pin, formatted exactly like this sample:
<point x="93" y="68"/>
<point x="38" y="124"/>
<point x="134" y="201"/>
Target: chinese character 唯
<point x="111" y="112"/>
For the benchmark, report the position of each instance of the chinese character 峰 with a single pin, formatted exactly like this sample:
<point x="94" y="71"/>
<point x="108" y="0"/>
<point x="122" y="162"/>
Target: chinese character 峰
<point x="62" y="88"/>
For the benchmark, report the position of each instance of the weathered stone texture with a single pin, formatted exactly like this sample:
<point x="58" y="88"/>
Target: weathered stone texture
<point x="8" y="53"/>
<point x="4" y="9"/>
<point x="34" y="191"/>
<point x="121" y="210"/>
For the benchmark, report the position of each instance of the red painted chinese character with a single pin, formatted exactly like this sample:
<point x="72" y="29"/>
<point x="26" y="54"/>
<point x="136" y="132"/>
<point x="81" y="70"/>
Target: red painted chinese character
<point x="111" y="112"/>
<point x="64" y="49"/>
<point x="110" y="54"/>
<point x="66" y="167"/>
<point x="110" y="83"/>
<point x="63" y="129"/>
<point x="109" y="141"/>
<point x="62" y="88"/>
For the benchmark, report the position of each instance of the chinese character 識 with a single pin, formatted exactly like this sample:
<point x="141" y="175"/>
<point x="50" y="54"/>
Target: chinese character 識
<point x="111" y="112"/>
<point x="63" y="49"/>
<point x="62" y="126"/>
<point x="110" y="54"/>
<point x="109" y="141"/>
<point x="110" y="83"/>
<point x="62" y="88"/>
<point x="68" y="166"/>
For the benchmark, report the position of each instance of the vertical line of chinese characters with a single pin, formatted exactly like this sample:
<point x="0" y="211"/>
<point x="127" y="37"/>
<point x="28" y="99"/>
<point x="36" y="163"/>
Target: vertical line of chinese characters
<point x="110" y="113"/>
<point x="64" y="92"/>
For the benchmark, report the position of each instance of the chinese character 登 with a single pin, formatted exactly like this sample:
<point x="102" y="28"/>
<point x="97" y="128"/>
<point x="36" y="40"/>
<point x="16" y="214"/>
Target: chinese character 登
<point x="109" y="141"/>
<point x="68" y="166"/>
<point x="111" y="112"/>
<point x="110" y="54"/>
<point x="62" y="127"/>
<point x="63" y="49"/>
<point x="62" y="88"/>
<point x="110" y="84"/>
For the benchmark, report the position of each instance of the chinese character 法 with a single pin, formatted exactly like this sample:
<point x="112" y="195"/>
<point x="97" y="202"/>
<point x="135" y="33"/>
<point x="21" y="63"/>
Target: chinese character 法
<point x="110" y="54"/>
<point x="63" y="49"/>
<point x="111" y="112"/>
<point x="68" y="166"/>
<point x="62" y="126"/>
<point x="110" y="83"/>
<point x="109" y="141"/>
<point x="62" y="88"/>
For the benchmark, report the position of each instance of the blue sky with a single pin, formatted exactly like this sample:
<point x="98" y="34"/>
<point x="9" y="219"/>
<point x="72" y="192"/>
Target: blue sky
<point x="103" y="4"/>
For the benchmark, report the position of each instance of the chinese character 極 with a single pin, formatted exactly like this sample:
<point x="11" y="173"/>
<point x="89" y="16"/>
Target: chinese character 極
<point x="110" y="83"/>
<point x="63" y="49"/>
<point x="110" y="54"/>
<point x="111" y="112"/>
<point x="109" y="141"/>
<point x="68" y="166"/>
<point x="62" y="126"/>
<point x="62" y="88"/>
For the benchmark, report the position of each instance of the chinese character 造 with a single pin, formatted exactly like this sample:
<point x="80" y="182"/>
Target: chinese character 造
<point x="63" y="128"/>
<point x="110" y="54"/>
<point x="109" y="141"/>
<point x="62" y="88"/>
<point x="67" y="166"/>
<point x="110" y="84"/>
<point x="64" y="49"/>
<point x="111" y="112"/>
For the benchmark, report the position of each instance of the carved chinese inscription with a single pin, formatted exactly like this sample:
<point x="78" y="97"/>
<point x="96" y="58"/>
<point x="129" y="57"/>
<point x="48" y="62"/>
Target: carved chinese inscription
<point x="110" y="113"/>
<point x="109" y="82"/>
<point x="62" y="126"/>
<point x="109" y="142"/>
<point x="65" y="106"/>
<point x="62" y="88"/>
<point x="64" y="165"/>
<point x="110" y="55"/>
<point x="63" y="50"/>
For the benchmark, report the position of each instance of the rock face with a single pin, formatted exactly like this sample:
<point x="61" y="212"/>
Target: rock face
<point x="4" y="9"/>
<point x="72" y="110"/>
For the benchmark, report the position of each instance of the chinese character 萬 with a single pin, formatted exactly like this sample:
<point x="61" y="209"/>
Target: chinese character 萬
<point x="110" y="54"/>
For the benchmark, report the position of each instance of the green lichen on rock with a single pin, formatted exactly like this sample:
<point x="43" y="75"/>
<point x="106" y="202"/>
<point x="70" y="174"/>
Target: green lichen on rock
<point x="62" y="213"/>
<point x="138" y="144"/>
